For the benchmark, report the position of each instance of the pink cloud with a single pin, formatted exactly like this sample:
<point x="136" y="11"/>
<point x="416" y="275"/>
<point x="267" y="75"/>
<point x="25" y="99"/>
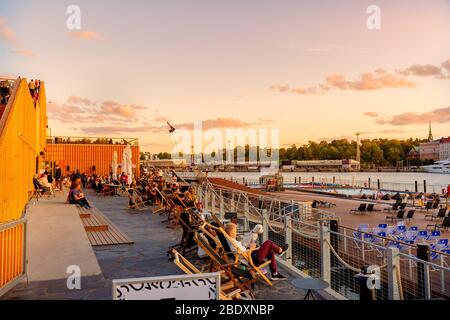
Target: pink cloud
<point x="10" y="37"/>
<point x="82" y="101"/>
<point x="376" y="80"/>
<point x="439" y="115"/>
<point x="371" y="114"/>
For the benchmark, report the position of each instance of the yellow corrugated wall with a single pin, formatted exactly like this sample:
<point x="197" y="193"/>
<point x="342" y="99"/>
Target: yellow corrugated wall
<point x="22" y="138"/>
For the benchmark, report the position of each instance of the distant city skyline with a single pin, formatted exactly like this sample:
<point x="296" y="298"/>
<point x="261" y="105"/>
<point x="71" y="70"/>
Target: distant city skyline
<point x="313" y="70"/>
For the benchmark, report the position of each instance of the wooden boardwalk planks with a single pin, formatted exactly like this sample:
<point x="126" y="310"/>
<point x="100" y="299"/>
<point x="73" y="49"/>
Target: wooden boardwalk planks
<point x="100" y="230"/>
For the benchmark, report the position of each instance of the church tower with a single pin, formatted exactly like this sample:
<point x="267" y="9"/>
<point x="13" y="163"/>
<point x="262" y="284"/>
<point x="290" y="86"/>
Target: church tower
<point x="430" y="134"/>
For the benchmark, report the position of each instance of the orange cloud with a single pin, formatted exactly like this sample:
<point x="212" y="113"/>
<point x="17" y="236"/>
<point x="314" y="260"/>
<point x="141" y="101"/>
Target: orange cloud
<point x="439" y="115"/>
<point x="10" y="37"/>
<point x="85" y="35"/>
<point x="377" y="80"/>
<point x="371" y="114"/>
<point x="82" y="101"/>
<point x="82" y="110"/>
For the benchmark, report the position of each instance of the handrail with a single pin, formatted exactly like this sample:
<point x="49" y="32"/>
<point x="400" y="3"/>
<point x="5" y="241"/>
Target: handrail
<point x="6" y="113"/>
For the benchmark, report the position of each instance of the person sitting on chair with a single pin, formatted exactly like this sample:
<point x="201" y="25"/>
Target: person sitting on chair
<point x="76" y="196"/>
<point x="46" y="186"/>
<point x="267" y="251"/>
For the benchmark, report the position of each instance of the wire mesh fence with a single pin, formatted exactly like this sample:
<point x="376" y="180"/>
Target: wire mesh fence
<point x="320" y="248"/>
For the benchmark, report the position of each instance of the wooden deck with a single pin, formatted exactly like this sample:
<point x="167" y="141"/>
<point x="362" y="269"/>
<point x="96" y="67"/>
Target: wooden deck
<point x="100" y="230"/>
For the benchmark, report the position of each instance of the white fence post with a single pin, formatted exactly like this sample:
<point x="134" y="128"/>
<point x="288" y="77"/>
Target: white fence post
<point x="222" y="206"/>
<point x="288" y="239"/>
<point x="265" y="219"/>
<point x="232" y="203"/>
<point x="325" y="257"/>
<point x="213" y="202"/>
<point x="393" y="262"/>
<point x="246" y="216"/>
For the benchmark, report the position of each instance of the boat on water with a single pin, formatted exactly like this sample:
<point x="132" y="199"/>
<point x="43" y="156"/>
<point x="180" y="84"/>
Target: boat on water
<point x="442" y="166"/>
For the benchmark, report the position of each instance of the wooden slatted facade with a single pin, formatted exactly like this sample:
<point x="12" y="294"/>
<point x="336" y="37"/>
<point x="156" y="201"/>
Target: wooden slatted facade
<point x="23" y="125"/>
<point x="84" y="157"/>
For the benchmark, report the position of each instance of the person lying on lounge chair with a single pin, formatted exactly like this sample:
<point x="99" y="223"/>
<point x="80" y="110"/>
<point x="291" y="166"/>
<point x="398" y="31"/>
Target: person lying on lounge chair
<point x="267" y="251"/>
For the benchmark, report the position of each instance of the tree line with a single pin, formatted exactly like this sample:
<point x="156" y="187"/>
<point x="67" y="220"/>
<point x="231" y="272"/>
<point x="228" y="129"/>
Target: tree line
<point x="374" y="152"/>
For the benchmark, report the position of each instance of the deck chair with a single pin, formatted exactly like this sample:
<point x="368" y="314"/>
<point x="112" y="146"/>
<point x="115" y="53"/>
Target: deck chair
<point x="187" y="243"/>
<point x="410" y="214"/>
<point x="439" y="215"/>
<point x="393" y="208"/>
<point x="441" y="226"/>
<point x="243" y="256"/>
<point x="394" y="217"/>
<point x="362" y="208"/>
<point x="371" y="208"/>
<point x="135" y="199"/>
<point x="240" y="276"/>
<point x="228" y="291"/>
<point x="428" y="206"/>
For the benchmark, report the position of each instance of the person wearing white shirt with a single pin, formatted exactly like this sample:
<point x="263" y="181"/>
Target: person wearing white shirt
<point x="267" y="251"/>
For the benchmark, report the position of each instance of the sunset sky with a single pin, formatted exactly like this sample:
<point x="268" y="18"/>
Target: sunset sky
<point x="310" y="68"/>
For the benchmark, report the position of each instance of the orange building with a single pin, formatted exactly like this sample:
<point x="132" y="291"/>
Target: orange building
<point x="23" y="130"/>
<point x="89" y="154"/>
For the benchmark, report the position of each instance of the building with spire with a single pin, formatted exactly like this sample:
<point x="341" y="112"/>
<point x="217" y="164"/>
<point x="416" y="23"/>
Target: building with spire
<point x="430" y="150"/>
<point x="430" y="134"/>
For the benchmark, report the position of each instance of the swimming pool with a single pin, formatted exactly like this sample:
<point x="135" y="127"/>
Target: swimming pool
<point x="351" y="192"/>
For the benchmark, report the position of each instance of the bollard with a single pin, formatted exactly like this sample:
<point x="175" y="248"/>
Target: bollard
<point x="365" y="280"/>
<point x="424" y="186"/>
<point x="369" y="184"/>
<point x="423" y="272"/>
<point x="416" y="187"/>
<point x="378" y="184"/>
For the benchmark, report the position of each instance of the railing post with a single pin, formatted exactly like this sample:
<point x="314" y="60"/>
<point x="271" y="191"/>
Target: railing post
<point x="232" y="203"/>
<point x="325" y="257"/>
<point x="246" y="216"/>
<point x="207" y="196"/>
<point x="265" y="219"/>
<point x="393" y="263"/>
<point x="200" y="195"/>
<point x="423" y="271"/>
<point x="221" y="206"/>
<point x="213" y="202"/>
<point x="288" y="239"/>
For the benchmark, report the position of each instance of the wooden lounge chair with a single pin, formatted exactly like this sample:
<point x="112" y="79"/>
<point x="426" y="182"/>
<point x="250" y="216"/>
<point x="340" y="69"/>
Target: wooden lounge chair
<point x="394" y="217"/>
<point x="135" y="199"/>
<point x="440" y="214"/>
<point x="187" y="243"/>
<point x="241" y="276"/>
<point x="243" y="256"/>
<point x="362" y="208"/>
<point x="228" y="291"/>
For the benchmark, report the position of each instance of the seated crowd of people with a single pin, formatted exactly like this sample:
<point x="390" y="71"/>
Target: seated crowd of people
<point x="183" y="207"/>
<point x="5" y="91"/>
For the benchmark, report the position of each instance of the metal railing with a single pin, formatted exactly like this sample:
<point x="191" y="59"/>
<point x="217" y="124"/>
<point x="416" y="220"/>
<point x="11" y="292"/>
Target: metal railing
<point x="333" y="182"/>
<point x="12" y="254"/>
<point x="91" y="140"/>
<point x="320" y="248"/>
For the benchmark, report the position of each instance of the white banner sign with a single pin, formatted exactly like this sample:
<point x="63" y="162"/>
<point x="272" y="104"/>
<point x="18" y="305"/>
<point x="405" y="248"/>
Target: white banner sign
<point x="204" y="286"/>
